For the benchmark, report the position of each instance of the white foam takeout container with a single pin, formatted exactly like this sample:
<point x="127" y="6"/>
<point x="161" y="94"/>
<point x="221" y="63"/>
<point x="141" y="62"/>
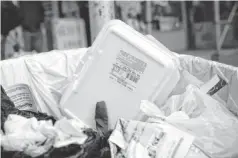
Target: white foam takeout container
<point x="123" y="68"/>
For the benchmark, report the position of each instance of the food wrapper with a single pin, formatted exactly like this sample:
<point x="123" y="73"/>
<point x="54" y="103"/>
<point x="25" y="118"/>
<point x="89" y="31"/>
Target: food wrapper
<point x="132" y="139"/>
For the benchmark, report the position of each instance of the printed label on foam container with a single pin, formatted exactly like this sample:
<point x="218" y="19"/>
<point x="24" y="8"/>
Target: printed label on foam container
<point x="127" y="70"/>
<point x="22" y="97"/>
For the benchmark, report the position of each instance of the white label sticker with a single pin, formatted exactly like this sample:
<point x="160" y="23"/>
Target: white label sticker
<point x="21" y="96"/>
<point x="127" y="70"/>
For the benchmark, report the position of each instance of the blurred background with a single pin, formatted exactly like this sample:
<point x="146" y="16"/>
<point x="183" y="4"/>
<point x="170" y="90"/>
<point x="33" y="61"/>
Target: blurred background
<point x="199" y="28"/>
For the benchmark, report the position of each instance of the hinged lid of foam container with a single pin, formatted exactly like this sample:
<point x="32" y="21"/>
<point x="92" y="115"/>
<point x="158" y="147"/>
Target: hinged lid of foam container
<point x="123" y="68"/>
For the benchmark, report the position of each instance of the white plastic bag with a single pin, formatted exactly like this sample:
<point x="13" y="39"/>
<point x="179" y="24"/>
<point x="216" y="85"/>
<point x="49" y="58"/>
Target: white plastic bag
<point x="185" y="79"/>
<point x="213" y="125"/>
<point x="69" y="132"/>
<point x="47" y="75"/>
<point x="204" y="70"/>
<point x="28" y="135"/>
<point x="154" y="114"/>
<point x="35" y="138"/>
<point x="198" y="69"/>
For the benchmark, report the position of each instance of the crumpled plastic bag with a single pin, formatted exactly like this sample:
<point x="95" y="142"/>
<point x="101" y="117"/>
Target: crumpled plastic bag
<point x="198" y="69"/>
<point x="188" y="79"/>
<point x="35" y="138"/>
<point x="204" y="70"/>
<point x="153" y="114"/>
<point x="28" y="135"/>
<point x="185" y="79"/>
<point x="214" y="126"/>
<point x="69" y="132"/>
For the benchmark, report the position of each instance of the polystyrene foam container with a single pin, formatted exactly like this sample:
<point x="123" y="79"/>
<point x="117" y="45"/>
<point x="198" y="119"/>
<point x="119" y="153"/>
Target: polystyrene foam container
<point x="124" y="68"/>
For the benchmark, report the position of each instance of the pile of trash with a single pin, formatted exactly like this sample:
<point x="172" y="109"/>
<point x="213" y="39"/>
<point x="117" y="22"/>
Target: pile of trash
<point x="195" y="117"/>
<point x="29" y="134"/>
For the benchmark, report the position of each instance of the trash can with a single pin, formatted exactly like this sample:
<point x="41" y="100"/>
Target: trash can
<point x="48" y="74"/>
